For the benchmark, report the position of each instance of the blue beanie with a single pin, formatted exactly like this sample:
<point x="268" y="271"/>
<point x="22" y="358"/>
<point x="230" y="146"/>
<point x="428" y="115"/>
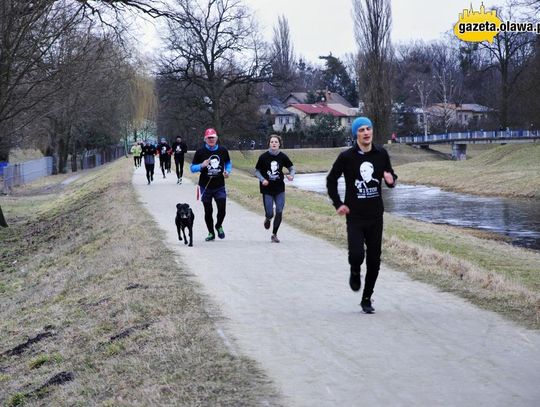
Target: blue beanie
<point x="359" y="122"/>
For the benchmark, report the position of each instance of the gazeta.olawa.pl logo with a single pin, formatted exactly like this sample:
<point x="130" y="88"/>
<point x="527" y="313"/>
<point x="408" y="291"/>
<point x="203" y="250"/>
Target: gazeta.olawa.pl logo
<point x="482" y="25"/>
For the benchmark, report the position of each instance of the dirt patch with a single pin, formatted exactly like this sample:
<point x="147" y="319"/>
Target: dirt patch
<point x="17" y="350"/>
<point x="127" y="332"/>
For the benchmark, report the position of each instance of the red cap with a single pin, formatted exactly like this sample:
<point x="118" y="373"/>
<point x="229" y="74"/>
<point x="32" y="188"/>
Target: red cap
<point x="210" y="132"/>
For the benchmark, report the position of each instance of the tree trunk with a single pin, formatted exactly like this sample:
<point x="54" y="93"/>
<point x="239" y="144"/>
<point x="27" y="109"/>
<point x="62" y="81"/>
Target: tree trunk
<point x="73" y="161"/>
<point x="62" y="156"/>
<point x="4" y="148"/>
<point x="504" y="97"/>
<point x="3" y="222"/>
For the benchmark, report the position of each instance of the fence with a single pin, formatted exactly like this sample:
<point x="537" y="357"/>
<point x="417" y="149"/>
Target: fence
<point x="18" y="174"/>
<point x="28" y="171"/>
<point x="95" y="158"/>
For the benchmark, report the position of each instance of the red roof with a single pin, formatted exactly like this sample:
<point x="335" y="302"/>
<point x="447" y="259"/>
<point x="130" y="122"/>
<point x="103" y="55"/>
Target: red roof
<point x="317" y="108"/>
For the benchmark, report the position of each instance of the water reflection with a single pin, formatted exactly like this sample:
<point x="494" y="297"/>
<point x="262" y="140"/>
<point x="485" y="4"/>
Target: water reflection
<point x="519" y="219"/>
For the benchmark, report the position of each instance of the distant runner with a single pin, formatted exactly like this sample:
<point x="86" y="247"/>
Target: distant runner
<point x="164" y="150"/>
<point x="136" y="151"/>
<point x="179" y="148"/>
<point x="149" y="152"/>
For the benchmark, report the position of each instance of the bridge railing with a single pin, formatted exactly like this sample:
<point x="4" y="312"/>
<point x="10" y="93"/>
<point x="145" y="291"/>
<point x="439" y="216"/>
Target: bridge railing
<point x="469" y="136"/>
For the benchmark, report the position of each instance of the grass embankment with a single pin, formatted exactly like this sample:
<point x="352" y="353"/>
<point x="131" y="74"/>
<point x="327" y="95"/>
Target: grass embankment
<point x="490" y="273"/>
<point x="511" y="170"/>
<point x="321" y="159"/>
<point x="95" y="310"/>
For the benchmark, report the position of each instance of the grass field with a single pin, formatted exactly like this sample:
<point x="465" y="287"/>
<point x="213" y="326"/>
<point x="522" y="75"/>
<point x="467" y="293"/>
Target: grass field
<point x="95" y="310"/>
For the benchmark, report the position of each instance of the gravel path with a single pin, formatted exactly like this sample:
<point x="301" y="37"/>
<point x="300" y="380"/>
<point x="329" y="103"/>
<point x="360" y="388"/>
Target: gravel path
<point x="289" y="307"/>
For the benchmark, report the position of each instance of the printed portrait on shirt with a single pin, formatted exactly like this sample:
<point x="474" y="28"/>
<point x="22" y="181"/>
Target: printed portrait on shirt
<point x="214" y="167"/>
<point x="273" y="173"/>
<point x="368" y="187"/>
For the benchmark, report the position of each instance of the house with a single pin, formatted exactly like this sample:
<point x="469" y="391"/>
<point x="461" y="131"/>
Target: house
<point x="457" y="115"/>
<point x="282" y="120"/>
<point x="307" y="113"/>
<point x="329" y="97"/>
<point x="331" y="103"/>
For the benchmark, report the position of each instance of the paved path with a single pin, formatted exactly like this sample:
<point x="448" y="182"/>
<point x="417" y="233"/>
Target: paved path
<point x="289" y="307"/>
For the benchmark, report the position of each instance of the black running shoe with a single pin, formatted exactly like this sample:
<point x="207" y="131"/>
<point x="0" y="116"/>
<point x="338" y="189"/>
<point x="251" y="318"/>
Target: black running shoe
<point x="267" y="223"/>
<point x="221" y="233"/>
<point x="210" y="237"/>
<point x="354" y="281"/>
<point x="366" y="306"/>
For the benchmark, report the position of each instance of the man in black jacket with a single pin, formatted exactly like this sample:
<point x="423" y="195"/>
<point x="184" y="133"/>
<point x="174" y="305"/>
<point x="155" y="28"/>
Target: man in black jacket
<point x="364" y="166"/>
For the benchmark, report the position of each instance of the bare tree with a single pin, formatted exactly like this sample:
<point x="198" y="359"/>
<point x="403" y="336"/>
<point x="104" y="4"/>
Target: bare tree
<point x="215" y="47"/>
<point x="372" y="25"/>
<point x="445" y="70"/>
<point x="283" y="59"/>
<point x="509" y="55"/>
<point x="28" y="30"/>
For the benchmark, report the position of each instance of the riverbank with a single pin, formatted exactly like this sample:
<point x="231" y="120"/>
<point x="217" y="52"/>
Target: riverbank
<point x="491" y="274"/>
<point x="94" y="309"/>
<point x="511" y="170"/>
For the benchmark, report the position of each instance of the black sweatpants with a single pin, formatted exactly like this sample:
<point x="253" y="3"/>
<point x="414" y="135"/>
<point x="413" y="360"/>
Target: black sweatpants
<point x="208" y="212"/>
<point x="179" y="163"/>
<point x="361" y="231"/>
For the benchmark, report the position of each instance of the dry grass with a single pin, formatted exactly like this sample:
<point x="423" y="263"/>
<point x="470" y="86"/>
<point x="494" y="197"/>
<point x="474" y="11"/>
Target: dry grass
<point x="112" y="316"/>
<point x="490" y="273"/>
<point x="511" y="170"/>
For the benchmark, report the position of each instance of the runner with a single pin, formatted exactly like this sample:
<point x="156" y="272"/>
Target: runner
<point x="269" y="170"/>
<point x="214" y="164"/>
<point x="136" y="151"/>
<point x="149" y="152"/>
<point x="179" y="148"/>
<point x="363" y="165"/>
<point x="164" y="150"/>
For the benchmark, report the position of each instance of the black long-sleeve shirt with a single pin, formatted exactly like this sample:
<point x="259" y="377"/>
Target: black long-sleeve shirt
<point x="363" y="174"/>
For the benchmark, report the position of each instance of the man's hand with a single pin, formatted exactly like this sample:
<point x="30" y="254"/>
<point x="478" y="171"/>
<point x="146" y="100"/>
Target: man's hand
<point x="225" y="174"/>
<point x="389" y="178"/>
<point x="343" y="210"/>
<point x="289" y="177"/>
<point x="265" y="182"/>
<point x="205" y="163"/>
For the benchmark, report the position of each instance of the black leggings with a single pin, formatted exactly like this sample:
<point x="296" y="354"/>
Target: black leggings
<point x="149" y="171"/>
<point x="208" y="212"/>
<point x="370" y="232"/>
<point x="163" y="163"/>
<point x="179" y="163"/>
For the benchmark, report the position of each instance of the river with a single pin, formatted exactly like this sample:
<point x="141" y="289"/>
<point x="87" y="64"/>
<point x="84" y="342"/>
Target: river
<point x="518" y="219"/>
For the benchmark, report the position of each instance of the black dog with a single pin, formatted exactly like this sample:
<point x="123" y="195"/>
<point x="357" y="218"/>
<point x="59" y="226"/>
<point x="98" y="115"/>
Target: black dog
<point x="184" y="219"/>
